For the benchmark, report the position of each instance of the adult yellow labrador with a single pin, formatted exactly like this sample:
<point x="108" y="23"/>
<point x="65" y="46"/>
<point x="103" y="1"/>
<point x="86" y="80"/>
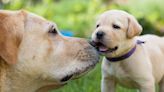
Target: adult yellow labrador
<point x="34" y="56"/>
<point x="130" y="60"/>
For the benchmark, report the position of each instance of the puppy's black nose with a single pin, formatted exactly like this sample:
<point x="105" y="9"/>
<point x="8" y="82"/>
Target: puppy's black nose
<point x="100" y="35"/>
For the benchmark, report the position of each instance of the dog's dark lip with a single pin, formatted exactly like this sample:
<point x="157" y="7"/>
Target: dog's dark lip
<point x="78" y="73"/>
<point x="66" y="78"/>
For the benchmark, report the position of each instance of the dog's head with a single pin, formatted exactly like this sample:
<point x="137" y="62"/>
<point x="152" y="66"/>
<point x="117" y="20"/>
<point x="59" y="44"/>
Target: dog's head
<point x="114" y="32"/>
<point x="33" y="46"/>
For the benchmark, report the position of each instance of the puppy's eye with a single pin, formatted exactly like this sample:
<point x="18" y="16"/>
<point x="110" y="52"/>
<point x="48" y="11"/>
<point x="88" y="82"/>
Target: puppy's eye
<point x="97" y="25"/>
<point x="116" y="26"/>
<point x="52" y="31"/>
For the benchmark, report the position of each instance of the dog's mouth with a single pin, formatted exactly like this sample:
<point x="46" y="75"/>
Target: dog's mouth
<point x="102" y="47"/>
<point x="87" y="58"/>
<point x="77" y="73"/>
<point x="66" y="78"/>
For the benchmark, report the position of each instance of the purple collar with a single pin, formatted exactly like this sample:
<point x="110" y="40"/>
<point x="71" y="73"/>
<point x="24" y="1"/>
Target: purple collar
<point x="125" y="56"/>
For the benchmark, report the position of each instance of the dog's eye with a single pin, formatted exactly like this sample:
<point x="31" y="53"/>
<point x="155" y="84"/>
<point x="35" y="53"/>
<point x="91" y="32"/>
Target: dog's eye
<point x="52" y="31"/>
<point x="116" y="26"/>
<point x="97" y="25"/>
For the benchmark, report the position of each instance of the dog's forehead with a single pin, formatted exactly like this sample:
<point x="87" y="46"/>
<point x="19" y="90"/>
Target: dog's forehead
<point x="36" y="21"/>
<point x="40" y="19"/>
<point x="32" y="15"/>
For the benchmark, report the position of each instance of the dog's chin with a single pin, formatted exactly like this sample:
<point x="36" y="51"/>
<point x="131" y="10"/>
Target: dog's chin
<point x="77" y="73"/>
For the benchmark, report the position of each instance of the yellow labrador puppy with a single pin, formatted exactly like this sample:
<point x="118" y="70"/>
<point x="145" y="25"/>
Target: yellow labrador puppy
<point x="130" y="60"/>
<point x="35" y="57"/>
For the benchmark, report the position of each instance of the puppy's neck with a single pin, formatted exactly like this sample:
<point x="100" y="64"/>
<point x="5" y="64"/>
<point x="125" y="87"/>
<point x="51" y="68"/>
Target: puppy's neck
<point x="130" y="45"/>
<point x="125" y="51"/>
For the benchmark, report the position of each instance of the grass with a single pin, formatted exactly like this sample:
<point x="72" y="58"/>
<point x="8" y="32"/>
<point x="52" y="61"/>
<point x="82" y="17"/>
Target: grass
<point x="88" y="83"/>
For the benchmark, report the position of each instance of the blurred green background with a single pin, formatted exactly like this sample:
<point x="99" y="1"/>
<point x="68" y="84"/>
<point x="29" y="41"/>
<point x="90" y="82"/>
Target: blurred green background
<point x="79" y="16"/>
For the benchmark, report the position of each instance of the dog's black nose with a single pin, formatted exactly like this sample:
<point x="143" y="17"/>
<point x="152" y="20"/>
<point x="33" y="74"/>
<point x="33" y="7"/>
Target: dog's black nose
<point x="100" y="35"/>
<point x="92" y="43"/>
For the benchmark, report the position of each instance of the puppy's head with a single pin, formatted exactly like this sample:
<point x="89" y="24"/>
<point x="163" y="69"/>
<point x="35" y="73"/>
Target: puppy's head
<point x="114" y="32"/>
<point x="35" y="48"/>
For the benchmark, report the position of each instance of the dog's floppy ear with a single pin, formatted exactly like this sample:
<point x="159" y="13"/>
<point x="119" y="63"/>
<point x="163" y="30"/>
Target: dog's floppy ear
<point x="9" y="38"/>
<point x="134" y="28"/>
<point x="8" y="47"/>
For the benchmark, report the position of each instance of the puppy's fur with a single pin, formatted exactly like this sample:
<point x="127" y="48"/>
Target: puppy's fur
<point x="144" y="68"/>
<point x="34" y="56"/>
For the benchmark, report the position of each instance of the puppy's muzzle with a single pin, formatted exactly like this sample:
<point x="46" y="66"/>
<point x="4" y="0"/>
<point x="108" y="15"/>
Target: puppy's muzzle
<point x="100" y="35"/>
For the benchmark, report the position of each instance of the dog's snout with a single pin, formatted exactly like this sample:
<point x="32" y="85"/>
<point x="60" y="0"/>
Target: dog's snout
<point x="100" y="34"/>
<point x="92" y="43"/>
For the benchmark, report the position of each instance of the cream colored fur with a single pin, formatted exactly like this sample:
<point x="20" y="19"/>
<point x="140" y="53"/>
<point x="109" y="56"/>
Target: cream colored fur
<point x="144" y="68"/>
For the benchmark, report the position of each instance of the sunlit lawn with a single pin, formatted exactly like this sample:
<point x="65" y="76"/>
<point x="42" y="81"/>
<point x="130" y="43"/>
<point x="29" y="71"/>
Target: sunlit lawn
<point x="88" y="83"/>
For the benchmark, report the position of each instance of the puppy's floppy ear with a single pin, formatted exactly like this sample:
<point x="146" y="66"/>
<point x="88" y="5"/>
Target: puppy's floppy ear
<point x="134" y="28"/>
<point x="10" y="38"/>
